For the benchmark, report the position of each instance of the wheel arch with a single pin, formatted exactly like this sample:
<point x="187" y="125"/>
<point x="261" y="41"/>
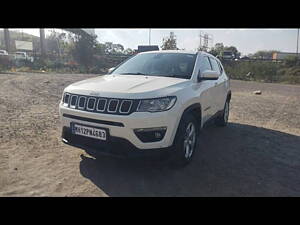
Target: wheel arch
<point x="228" y="96"/>
<point x="196" y="110"/>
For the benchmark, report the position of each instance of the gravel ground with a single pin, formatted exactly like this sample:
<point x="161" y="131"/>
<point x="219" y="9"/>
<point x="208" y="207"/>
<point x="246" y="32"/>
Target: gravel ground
<point x="257" y="154"/>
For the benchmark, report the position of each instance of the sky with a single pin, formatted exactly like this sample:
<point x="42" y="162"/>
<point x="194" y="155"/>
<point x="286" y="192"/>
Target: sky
<point x="246" y="40"/>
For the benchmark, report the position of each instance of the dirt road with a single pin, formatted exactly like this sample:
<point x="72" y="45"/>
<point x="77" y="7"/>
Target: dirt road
<point x="258" y="154"/>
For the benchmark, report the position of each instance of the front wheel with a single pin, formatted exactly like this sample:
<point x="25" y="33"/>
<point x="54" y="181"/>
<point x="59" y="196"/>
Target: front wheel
<point x="186" y="141"/>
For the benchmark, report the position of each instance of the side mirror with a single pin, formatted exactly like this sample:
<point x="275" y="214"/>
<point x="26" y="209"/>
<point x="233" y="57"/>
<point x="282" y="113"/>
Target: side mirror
<point x="208" y="75"/>
<point x="111" y="69"/>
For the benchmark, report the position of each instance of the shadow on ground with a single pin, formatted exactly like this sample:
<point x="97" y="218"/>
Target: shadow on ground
<point x="238" y="160"/>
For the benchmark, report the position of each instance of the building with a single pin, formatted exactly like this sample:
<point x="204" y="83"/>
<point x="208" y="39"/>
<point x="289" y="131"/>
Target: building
<point x="283" y="55"/>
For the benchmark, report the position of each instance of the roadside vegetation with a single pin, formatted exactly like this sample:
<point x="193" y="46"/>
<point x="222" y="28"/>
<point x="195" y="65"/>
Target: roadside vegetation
<point x="287" y="71"/>
<point x="74" y="53"/>
<point x="66" y="53"/>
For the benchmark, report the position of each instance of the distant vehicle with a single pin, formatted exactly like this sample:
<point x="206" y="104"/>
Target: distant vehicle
<point x="228" y="55"/>
<point x="4" y="57"/>
<point x="147" y="48"/>
<point x="3" y="52"/>
<point x="245" y="58"/>
<point x="23" y="56"/>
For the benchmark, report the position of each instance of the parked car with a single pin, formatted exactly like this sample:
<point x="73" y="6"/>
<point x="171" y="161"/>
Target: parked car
<point x="4" y="59"/>
<point x="3" y="52"/>
<point x="245" y="58"/>
<point x="23" y="56"/>
<point x="228" y="55"/>
<point x="153" y="103"/>
<point x="146" y="48"/>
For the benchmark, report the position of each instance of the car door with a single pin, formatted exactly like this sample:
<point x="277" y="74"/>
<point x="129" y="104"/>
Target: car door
<point x="219" y="85"/>
<point x="207" y="92"/>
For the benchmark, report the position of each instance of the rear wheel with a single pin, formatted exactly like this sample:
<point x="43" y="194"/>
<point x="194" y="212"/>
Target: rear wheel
<point x="223" y="119"/>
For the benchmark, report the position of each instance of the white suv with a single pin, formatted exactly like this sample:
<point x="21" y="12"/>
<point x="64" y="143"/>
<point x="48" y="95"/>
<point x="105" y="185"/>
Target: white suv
<point x="153" y="103"/>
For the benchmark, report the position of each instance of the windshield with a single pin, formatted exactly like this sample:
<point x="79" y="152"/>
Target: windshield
<point x="178" y="65"/>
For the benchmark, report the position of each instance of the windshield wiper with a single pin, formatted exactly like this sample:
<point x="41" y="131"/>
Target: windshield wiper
<point x="138" y="73"/>
<point x="177" y="76"/>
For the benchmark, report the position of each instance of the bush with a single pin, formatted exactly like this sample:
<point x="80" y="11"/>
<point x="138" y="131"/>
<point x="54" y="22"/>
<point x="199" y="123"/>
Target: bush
<point x="267" y="71"/>
<point x="293" y="71"/>
<point x="291" y="61"/>
<point x="5" y="63"/>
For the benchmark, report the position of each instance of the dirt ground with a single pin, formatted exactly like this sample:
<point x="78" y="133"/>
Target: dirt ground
<point x="257" y="154"/>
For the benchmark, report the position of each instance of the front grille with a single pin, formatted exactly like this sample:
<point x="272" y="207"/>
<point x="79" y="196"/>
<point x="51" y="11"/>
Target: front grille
<point x="113" y="105"/>
<point x="99" y="104"/>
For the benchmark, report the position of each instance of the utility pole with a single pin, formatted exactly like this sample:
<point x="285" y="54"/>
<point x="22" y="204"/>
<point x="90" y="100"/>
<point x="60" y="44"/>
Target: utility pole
<point x="200" y="46"/>
<point x="297" y="42"/>
<point x="149" y="36"/>
<point x="206" y="37"/>
<point x="42" y="41"/>
<point x="7" y="39"/>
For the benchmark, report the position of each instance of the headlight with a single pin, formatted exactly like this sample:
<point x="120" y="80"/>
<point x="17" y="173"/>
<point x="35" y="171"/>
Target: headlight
<point x="156" y="104"/>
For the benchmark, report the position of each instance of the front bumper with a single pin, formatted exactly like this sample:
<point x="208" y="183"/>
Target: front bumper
<point x="117" y="147"/>
<point x="123" y="126"/>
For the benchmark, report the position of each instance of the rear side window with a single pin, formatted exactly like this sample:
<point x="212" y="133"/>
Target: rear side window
<point x="205" y="64"/>
<point x="221" y="68"/>
<point x="214" y="65"/>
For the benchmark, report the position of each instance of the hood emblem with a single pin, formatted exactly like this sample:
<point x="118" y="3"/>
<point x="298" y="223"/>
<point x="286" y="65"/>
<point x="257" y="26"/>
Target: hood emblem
<point x="95" y="93"/>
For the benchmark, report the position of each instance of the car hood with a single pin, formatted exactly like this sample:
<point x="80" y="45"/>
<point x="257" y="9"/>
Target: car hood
<point x="128" y="86"/>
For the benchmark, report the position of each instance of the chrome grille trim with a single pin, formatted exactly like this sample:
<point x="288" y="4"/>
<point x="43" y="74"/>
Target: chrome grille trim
<point x="79" y="102"/>
<point x="104" y="104"/>
<point x="87" y="105"/>
<point x="70" y="101"/>
<point x="116" y="105"/>
<point x="131" y="102"/>
<point x="137" y="108"/>
<point x="66" y="104"/>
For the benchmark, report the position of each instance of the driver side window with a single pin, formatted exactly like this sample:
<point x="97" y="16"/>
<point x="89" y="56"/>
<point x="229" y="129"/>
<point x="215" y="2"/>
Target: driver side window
<point x="215" y="65"/>
<point x="205" y="64"/>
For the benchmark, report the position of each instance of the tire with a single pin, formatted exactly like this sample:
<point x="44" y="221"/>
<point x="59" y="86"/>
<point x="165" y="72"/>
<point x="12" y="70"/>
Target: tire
<point x="223" y="119"/>
<point x="186" y="141"/>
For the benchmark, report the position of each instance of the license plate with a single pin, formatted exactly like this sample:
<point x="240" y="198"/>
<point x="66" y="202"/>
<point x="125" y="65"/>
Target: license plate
<point x="87" y="131"/>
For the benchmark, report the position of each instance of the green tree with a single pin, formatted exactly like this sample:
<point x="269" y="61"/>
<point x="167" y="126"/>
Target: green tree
<point x="111" y="48"/>
<point x="169" y="43"/>
<point x="290" y="61"/>
<point x="58" y="43"/>
<point x="84" y="49"/>
<point x="100" y="49"/>
<point x="217" y="50"/>
<point x="234" y="50"/>
<point x="128" y="51"/>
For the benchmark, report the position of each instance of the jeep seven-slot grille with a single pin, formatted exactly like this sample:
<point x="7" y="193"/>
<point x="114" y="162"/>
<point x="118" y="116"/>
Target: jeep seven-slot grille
<point x="100" y="104"/>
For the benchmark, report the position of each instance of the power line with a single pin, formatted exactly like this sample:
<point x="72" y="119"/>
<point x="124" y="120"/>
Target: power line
<point x="206" y="38"/>
<point x="297" y="41"/>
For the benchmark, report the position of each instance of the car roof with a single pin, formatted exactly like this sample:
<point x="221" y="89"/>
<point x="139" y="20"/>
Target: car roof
<point x="179" y="51"/>
<point x="171" y="51"/>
